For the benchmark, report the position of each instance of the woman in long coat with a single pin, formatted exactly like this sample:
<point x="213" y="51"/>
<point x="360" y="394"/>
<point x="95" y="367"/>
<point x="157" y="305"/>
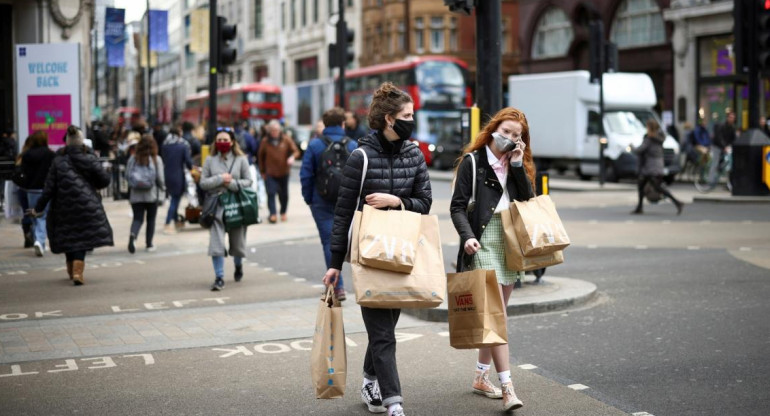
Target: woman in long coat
<point x="76" y="222"/>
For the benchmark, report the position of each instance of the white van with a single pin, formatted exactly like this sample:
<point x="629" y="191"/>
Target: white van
<point x="562" y="110"/>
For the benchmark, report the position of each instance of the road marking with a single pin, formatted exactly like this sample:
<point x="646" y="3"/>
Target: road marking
<point x="289" y="243"/>
<point x="527" y="367"/>
<point x="592" y="246"/>
<point x="403" y="336"/>
<point x="254" y="264"/>
<point x="152" y="306"/>
<point x="37" y="315"/>
<point x="319" y="286"/>
<point x="693" y="247"/>
<point x="94" y="363"/>
<point x="453" y="243"/>
<point x="253" y="249"/>
<point x="745" y="249"/>
<point x="705" y="222"/>
<point x="272" y="348"/>
<point x="641" y="414"/>
<point x="229" y="352"/>
<point x="443" y="334"/>
<point x="300" y="279"/>
<point x="283" y="274"/>
<point x="629" y="221"/>
<point x="268" y="269"/>
<point x="578" y="387"/>
<point x="641" y="247"/>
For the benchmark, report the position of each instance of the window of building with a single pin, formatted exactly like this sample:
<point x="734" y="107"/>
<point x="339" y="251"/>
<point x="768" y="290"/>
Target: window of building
<point x="306" y="69"/>
<point x="293" y="14"/>
<point x="330" y="6"/>
<point x="315" y="11"/>
<point x="189" y="57"/>
<point x="283" y="16"/>
<point x="187" y="26"/>
<point x="257" y="19"/>
<point x="260" y="73"/>
<point x="553" y="34"/>
<point x="638" y="23"/>
<point x="304" y="13"/>
<point x="400" y="36"/>
<point x="437" y="34"/>
<point x="453" y="34"/>
<point x="504" y="37"/>
<point x="419" y="40"/>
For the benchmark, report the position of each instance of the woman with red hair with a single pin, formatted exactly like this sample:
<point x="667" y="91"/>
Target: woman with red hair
<point x="500" y="160"/>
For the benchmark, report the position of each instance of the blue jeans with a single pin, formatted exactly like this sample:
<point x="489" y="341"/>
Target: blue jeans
<point x="173" y="207"/>
<point x="281" y="187"/>
<point x="324" y="219"/>
<point x="219" y="265"/>
<point x="38" y="223"/>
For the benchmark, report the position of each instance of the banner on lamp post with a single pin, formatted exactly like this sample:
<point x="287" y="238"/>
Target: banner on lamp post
<point x="114" y="37"/>
<point x="199" y="31"/>
<point x="48" y="89"/>
<point x="159" y="30"/>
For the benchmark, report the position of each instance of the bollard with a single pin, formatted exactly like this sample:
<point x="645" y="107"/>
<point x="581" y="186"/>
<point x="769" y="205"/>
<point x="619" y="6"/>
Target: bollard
<point x="746" y="175"/>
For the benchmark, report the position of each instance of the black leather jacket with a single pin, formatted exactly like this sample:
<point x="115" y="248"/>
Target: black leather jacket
<point x="488" y="194"/>
<point x="396" y="168"/>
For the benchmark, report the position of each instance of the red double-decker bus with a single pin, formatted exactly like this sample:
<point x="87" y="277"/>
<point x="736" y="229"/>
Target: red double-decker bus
<point x="438" y="85"/>
<point x="255" y="103"/>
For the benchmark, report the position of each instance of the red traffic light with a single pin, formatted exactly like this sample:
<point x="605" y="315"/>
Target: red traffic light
<point x="767" y="4"/>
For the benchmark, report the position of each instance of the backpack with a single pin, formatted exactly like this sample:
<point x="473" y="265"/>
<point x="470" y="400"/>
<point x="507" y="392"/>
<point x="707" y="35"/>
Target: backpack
<point x="328" y="176"/>
<point x="142" y="177"/>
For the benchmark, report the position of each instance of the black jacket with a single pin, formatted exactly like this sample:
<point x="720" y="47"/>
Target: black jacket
<point x="488" y="194"/>
<point x="394" y="168"/>
<point x="76" y="217"/>
<point x="724" y="135"/>
<point x="35" y="163"/>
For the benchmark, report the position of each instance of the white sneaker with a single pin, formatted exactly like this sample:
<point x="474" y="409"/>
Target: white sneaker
<point x="39" y="249"/>
<point x="150" y="249"/>
<point x="398" y="411"/>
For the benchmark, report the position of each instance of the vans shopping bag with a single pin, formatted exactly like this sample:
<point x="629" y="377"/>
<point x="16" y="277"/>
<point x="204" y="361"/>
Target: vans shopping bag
<point x="423" y="287"/>
<point x="476" y="314"/>
<point x="538" y="226"/>
<point x="387" y="240"/>
<point x="328" y="358"/>
<point x="515" y="258"/>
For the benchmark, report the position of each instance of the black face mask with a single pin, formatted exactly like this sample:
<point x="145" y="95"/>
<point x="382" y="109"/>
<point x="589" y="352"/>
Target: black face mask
<point x="403" y="128"/>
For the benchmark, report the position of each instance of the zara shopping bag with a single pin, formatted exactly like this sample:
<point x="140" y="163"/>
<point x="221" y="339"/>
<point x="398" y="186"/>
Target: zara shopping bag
<point x="538" y="226"/>
<point x="387" y="240"/>
<point x="515" y="258"/>
<point x="328" y="358"/>
<point x="423" y="287"/>
<point x="476" y="314"/>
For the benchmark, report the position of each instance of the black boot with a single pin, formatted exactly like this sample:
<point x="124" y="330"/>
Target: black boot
<point x="238" y="275"/>
<point x="679" y="207"/>
<point x="29" y="239"/>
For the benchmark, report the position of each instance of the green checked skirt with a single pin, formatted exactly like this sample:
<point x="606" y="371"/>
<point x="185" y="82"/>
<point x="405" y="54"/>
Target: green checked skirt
<point x="491" y="256"/>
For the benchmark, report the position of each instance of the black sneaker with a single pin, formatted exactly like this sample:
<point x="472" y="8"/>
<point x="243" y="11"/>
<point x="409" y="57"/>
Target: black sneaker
<point x="218" y="285"/>
<point x="131" y="246"/>
<point x="238" y="275"/>
<point x="370" y="394"/>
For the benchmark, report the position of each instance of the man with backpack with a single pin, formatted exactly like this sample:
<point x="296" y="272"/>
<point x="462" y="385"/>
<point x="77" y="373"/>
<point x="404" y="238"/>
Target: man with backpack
<point x="321" y="176"/>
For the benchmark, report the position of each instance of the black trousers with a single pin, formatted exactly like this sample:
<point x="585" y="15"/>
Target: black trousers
<point x="140" y="208"/>
<point x="656" y="182"/>
<point x="75" y="255"/>
<point x="380" y="358"/>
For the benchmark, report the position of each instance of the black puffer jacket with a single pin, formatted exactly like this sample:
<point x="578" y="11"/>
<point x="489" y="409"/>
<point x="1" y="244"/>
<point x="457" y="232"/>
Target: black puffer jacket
<point x="76" y="217"/>
<point x="396" y="168"/>
<point x="35" y="163"/>
<point x="488" y="194"/>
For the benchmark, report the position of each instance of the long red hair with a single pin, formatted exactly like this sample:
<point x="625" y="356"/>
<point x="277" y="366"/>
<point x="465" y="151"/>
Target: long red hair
<point x="485" y="137"/>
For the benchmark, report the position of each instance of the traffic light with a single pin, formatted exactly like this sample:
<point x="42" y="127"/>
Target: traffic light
<point x="334" y="57"/>
<point x="350" y="50"/>
<point x="763" y="36"/>
<point x="227" y="53"/>
<point x="460" y="6"/>
<point x="742" y="29"/>
<point x="596" y="49"/>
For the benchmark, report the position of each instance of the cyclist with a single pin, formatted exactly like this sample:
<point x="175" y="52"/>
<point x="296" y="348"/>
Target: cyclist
<point x="724" y="136"/>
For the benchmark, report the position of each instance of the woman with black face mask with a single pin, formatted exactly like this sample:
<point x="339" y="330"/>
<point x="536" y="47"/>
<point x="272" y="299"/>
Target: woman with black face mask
<point x="396" y="174"/>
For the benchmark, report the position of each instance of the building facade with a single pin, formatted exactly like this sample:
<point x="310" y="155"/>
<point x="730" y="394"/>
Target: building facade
<point x="554" y="36"/>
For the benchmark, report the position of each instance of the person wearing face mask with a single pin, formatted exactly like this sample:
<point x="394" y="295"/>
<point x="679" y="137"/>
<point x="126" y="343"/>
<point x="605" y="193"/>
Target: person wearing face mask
<point x="505" y="172"/>
<point x="396" y="174"/>
<point x="275" y="156"/>
<point x="226" y="169"/>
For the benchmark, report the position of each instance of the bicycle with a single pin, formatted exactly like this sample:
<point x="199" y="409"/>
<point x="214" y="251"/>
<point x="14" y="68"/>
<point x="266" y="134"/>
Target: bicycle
<point x="702" y="183"/>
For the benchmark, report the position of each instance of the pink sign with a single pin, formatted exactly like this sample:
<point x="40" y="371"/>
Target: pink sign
<point x="50" y="113"/>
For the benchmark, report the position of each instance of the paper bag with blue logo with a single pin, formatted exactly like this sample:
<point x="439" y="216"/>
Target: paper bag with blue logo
<point x="328" y="358"/>
<point x="423" y="287"/>
<point x="476" y="310"/>
<point x="387" y="240"/>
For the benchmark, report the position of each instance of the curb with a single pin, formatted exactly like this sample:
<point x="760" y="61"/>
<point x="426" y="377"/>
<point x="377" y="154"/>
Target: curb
<point x="555" y="293"/>
<point x="557" y="184"/>
<point x="730" y="199"/>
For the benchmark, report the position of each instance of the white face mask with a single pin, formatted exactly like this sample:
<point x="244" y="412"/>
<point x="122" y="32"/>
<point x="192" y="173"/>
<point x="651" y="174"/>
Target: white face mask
<point x="503" y="143"/>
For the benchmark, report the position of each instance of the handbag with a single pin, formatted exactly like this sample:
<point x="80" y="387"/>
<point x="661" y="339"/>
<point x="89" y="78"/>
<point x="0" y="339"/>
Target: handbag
<point x="328" y="357"/>
<point x="192" y="214"/>
<point x="476" y="311"/>
<point x="240" y="208"/>
<point x="209" y="210"/>
<point x="17" y="176"/>
<point x="538" y="226"/>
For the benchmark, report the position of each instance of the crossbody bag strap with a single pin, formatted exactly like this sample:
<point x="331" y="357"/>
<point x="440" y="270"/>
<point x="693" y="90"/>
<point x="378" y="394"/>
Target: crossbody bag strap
<point x="473" y="184"/>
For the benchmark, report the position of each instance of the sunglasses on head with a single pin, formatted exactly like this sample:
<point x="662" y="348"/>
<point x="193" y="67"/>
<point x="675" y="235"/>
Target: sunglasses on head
<point x="224" y="129"/>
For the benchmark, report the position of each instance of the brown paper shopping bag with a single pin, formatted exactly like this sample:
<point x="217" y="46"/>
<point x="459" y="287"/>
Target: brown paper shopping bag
<point x="515" y="259"/>
<point x="424" y="287"/>
<point x="538" y="226"/>
<point x="476" y="315"/>
<point x="328" y="358"/>
<point x="387" y="240"/>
